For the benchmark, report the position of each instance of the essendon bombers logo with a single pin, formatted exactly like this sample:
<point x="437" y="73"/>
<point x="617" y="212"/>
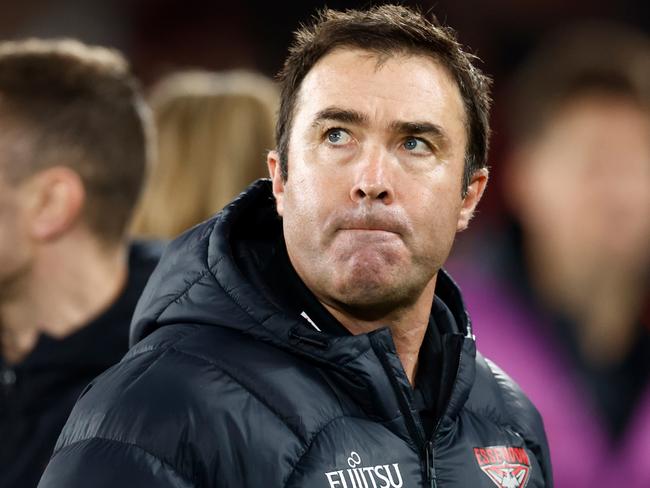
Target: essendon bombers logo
<point x="507" y="467"/>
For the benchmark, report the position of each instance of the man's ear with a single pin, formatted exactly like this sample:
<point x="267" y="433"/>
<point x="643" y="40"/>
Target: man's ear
<point x="56" y="200"/>
<point x="472" y="197"/>
<point x="275" y="171"/>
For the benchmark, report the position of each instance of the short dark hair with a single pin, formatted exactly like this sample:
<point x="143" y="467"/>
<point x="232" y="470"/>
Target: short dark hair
<point x="78" y="106"/>
<point x="587" y="58"/>
<point x="388" y="29"/>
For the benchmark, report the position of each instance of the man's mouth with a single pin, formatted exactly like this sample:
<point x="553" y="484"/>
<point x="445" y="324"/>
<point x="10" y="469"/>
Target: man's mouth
<point x="373" y="224"/>
<point x="369" y="230"/>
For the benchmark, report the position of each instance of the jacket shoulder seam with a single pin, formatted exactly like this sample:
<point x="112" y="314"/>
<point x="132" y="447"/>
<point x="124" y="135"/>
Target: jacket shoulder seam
<point x="140" y="349"/>
<point x="532" y="433"/>
<point x="498" y="422"/>
<point x="502" y="389"/>
<point x="163" y="461"/>
<point x="185" y="290"/>
<point x="239" y="382"/>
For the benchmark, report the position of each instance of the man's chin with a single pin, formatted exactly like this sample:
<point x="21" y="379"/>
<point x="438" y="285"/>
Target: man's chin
<point x="371" y="292"/>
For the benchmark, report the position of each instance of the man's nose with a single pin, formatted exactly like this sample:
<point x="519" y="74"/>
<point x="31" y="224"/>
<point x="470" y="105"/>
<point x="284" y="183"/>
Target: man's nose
<point x="373" y="180"/>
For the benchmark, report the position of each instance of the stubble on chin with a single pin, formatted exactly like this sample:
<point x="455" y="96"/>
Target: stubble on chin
<point x="371" y="295"/>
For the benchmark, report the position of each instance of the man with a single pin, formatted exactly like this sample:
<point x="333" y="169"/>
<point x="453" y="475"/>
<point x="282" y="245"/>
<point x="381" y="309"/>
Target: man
<point x="73" y="151"/>
<point x="310" y="349"/>
<point x="569" y="282"/>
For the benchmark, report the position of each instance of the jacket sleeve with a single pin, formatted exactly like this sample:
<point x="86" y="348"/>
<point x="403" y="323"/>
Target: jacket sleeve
<point x="105" y="463"/>
<point x="525" y="417"/>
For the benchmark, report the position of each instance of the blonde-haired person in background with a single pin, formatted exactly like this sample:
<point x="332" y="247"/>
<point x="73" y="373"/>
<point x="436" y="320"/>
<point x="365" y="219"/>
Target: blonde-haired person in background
<point x="214" y="130"/>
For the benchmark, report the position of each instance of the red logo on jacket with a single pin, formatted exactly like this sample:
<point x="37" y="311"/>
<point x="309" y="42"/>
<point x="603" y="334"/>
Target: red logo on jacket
<point x="507" y="467"/>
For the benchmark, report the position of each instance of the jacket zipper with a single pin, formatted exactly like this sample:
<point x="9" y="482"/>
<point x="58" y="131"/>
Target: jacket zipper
<point x="413" y="426"/>
<point x="426" y="448"/>
<point x="429" y="453"/>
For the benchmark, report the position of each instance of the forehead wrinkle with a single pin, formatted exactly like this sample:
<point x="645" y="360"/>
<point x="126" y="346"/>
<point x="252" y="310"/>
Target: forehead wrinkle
<point x="445" y="81"/>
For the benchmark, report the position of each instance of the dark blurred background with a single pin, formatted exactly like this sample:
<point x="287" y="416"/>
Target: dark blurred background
<point x="596" y="403"/>
<point x="161" y="36"/>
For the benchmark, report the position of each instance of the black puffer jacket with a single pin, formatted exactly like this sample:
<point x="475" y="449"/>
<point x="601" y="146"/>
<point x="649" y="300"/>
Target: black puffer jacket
<point x="225" y="389"/>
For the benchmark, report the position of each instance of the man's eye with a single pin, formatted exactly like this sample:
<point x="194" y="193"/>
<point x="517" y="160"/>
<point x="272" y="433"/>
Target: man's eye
<point x="416" y="145"/>
<point x="338" y="137"/>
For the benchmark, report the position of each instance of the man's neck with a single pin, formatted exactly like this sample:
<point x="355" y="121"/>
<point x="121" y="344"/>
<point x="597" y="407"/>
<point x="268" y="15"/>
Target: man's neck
<point x="408" y="327"/>
<point x="64" y="289"/>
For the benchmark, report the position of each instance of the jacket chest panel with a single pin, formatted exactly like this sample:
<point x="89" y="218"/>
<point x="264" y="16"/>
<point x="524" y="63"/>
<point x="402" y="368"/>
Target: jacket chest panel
<point x="357" y="453"/>
<point x="474" y="451"/>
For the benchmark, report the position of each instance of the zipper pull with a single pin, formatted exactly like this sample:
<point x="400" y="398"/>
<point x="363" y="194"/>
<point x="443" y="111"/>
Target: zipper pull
<point x="320" y="343"/>
<point x="431" y="468"/>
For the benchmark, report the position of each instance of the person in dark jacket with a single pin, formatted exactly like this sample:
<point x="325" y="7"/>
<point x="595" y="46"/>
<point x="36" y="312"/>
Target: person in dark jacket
<point x="73" y="150"/>
<point x="307" y="335"/>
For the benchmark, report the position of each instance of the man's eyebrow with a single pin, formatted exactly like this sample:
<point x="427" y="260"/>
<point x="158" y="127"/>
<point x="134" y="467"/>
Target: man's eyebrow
<point x="417" y="128"/>
<point x="337" y="114"/>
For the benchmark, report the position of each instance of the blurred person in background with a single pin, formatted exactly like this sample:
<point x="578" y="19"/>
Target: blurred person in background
<point x="214" y="130"/>
<point x="74" y="144"/>
<point x="561" y="301"/>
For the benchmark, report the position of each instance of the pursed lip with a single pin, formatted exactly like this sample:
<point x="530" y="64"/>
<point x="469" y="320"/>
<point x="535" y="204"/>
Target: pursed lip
<point x="370" y="223"/>
<point x="380" y="222"/>
<point x="370" y="229"/>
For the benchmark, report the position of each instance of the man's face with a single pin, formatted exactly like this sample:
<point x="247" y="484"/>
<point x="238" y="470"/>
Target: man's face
<point x="373" y="198"/>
